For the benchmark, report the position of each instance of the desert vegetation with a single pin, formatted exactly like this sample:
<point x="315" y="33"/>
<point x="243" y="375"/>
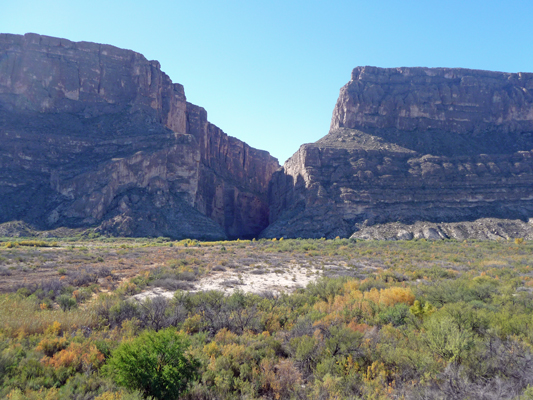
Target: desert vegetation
<point x="103" y="318"/>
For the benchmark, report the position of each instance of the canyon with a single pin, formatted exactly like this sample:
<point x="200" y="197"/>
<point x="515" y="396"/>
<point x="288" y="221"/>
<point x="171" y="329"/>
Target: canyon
<point x="93" y="136"/>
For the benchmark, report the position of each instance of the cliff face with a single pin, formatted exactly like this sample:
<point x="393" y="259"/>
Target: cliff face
<point x="93" y="135"/>
<point x="408" y="145"/>
<point x="233" y="176"/>
<point x="451" y="99"/>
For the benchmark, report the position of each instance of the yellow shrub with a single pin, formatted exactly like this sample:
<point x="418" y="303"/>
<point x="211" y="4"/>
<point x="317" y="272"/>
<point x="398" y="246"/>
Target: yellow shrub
<point x="212" y="349"/>
<point x="77" y="356"/>
<point x="225" y="336"/>
<point x="112" y="396"/>
<point x="109" y="396"/>
<point x="50" y="346"/>
<point x="394" y="295"/>
<point x="237" y="352"/>
<point x="54" y="329"/>
<point x="351" y="286"/>
<point x="42" y="394"/>
<point x="193" y="324"/>
<point x="338" y="309"/>
<point x="281" y="379"/>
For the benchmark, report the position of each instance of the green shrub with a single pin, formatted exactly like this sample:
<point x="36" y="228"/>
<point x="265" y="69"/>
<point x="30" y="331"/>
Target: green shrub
<point x="396" y="315"/>
<point x="155" y="363"/>
<point x="66" y="302"/>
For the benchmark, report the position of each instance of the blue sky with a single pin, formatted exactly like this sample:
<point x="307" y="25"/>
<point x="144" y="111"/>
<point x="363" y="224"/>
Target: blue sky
<point x="269" y="72"/>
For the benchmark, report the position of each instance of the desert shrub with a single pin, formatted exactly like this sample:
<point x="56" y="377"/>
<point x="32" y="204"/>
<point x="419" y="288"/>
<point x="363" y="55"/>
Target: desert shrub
<point x="155" y="363"/>
<point x="468" y="335"/>
<point x="51" y="345"/>
<point x="18" y="394"/>
<point x="282" y="379"/>
<point x="48" y="288"/>
<point x="66" y="302"/>
<point x="466" y="290"/>
<point x="9" y="359"/>
<point x="178" y="273"/>
<point x="121" y="311"/>
<point x="84" y="386"/>
<point x="232" y="364"/>
<point x="372" y="283"/>
<point x="129" y="288"/>
<point x="306" y="351"/>
<point x="187" y="276"/>
<point x="393" y="276"/>
<point x="396" y="315"/>
<point x="82" y="295"/>
<point x="153" y="313"/>
<point x="120" y="395"/>
<point x="325" y="288"/>
<point x="103" y="272"/>
<point x="236" y="313"/>
<point x="33" y="243"/>
<point x="102" y="308"/>
<point x="82" y="276"/>
<point x="446" y="338"/>
<point x="77" y="356"/>
<point x="455" y="382"/>
<point x="24" y="292"/>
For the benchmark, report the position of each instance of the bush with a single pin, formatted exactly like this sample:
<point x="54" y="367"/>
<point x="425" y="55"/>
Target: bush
<point x="396" y="315"/>
<point x="66" y="302"/>
<point x="155" y="364"/>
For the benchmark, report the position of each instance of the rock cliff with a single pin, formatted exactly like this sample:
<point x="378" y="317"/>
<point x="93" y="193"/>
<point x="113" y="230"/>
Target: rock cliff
<point x="97" y="136"/>
<point x="408" y="145"/>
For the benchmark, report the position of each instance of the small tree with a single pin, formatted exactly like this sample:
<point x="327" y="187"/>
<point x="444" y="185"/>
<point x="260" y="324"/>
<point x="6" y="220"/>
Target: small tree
<point x="155" y="363"/>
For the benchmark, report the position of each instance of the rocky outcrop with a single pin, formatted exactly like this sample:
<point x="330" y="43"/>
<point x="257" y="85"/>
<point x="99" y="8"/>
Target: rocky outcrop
<point x="412" y="144"/>
<point x="97" y="136"/>
<point x="481" y="229"/>
<point x="453" y="100"/>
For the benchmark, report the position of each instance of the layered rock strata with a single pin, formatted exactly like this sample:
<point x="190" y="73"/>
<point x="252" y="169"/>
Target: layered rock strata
<point x="97" y="136"/>
<point x="413" y="144"/>
<point x="480" y="229"/>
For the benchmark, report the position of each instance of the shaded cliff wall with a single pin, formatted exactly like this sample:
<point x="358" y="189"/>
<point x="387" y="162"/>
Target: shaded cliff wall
<point x="97" y="135"/>
<point x="233" y="176"/>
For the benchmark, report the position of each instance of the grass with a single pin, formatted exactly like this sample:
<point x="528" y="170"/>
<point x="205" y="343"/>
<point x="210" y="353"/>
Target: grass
<point x="22" y="316"/>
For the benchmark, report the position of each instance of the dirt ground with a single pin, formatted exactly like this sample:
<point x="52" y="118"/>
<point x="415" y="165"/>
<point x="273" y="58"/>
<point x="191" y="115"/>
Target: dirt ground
<point x="224" y="267"/>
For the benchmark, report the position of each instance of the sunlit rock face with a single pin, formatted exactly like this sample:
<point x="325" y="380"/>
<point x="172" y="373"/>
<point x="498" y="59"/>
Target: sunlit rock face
<point x="410" y="145"/>
<point x="97" y="136"/>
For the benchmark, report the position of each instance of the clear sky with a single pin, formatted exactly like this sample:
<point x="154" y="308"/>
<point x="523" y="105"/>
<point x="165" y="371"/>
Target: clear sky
<point x="269" y="72"/>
